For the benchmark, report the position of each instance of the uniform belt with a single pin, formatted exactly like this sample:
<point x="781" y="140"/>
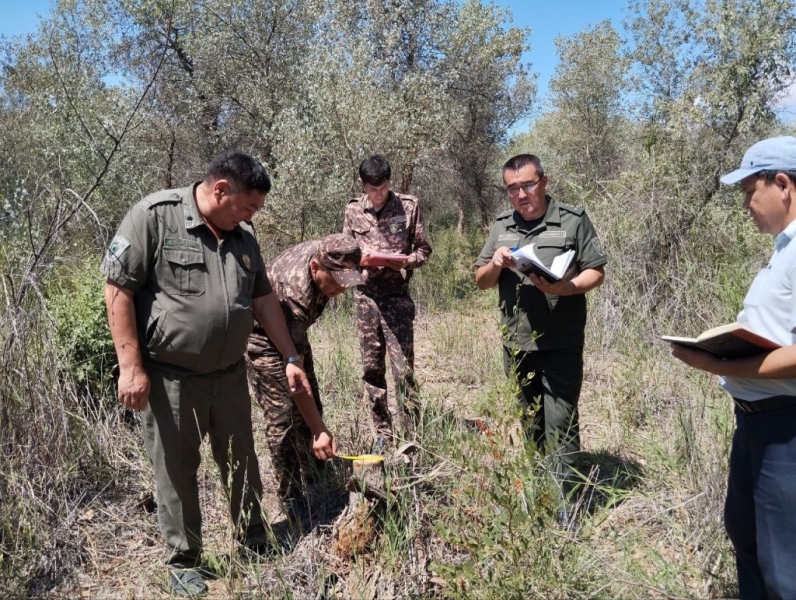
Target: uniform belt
<point x="766" y="404"/>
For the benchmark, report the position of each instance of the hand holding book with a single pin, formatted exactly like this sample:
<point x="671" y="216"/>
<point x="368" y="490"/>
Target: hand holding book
<point x="528" y="262"/>
<point x="727" y="341"/>
<point x="380" y="259"/>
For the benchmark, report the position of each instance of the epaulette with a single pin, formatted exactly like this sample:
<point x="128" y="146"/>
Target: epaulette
<point x="162" y="197"/>
<point x="505" y="215"/>
<point x="406" y="197"/>
<point x="575" y="210"/>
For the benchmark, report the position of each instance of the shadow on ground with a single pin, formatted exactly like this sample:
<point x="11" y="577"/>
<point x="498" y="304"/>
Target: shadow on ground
<point x="326" y="503"/>
<point x="608" y="479"/>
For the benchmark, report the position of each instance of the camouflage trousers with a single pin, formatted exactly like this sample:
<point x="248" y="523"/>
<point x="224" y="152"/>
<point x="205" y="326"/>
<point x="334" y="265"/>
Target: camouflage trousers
<point x="386" y="328"/>
<point x="288" y="437"/>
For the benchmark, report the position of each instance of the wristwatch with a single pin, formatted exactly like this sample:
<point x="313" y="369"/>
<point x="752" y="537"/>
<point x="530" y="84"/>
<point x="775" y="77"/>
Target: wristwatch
<point x="293" y="359"/>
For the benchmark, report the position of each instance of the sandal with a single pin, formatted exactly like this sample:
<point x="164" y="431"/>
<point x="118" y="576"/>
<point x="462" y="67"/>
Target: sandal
<point x="187" y="583"/>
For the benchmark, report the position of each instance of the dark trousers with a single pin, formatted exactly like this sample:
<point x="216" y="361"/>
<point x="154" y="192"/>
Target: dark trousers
<point x="552" y="380"/>
<point x="183" y="409"/>
<point x="760" y="511"/>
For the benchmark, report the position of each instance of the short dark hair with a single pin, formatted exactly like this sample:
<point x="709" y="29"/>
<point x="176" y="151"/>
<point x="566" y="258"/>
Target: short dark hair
<point x="770" y="175"/>
<point x="515" y="163"/>
<point x="375" y="170"/>
<point x="242" y="171"/>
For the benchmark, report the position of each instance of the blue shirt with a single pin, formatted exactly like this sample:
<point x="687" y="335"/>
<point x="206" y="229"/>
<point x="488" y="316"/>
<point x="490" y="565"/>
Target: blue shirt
<point x="770" y="309"/>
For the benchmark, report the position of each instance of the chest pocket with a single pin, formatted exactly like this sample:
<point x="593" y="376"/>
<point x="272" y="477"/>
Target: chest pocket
<point x="360" y="228"/>
<point x="185" y="272"/>
<point x="245" y="276"/>
<point x="548" y="247"/>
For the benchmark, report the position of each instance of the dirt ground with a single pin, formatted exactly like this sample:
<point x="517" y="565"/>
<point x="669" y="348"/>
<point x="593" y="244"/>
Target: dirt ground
<point x="124" y="552"/>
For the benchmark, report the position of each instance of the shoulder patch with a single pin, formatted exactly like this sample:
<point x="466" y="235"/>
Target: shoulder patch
<point x="117" y="248"/>
<point x="575" y="210"/>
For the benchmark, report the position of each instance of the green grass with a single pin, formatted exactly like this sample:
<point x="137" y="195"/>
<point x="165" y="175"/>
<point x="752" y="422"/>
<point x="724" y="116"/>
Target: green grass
<point x="470" y="514"/>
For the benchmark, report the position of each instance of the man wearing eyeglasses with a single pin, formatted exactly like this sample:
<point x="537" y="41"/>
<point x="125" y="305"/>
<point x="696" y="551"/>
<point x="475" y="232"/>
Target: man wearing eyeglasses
<point x="544" y="321"/>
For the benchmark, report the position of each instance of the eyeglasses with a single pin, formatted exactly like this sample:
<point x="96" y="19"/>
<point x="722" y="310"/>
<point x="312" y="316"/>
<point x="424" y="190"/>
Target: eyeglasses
<point x="525" y="186"/>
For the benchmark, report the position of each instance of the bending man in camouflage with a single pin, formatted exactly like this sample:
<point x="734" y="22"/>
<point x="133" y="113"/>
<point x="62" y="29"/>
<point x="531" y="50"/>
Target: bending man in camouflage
<point x="303" y="279"/>
<point x="389" y="223"/>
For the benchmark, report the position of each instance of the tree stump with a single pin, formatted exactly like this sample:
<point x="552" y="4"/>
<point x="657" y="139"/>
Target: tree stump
<point x="368" y="480"/>
<point x="356" y="527"/>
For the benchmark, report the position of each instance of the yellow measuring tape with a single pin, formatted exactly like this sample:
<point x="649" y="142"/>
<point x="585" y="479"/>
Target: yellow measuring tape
<point x="363" y="457"/>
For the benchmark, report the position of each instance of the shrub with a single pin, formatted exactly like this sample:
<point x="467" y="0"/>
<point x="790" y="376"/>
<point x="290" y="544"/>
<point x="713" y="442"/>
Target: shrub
<point x="82" y="337"/>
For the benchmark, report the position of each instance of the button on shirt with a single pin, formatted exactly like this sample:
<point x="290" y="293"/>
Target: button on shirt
<point x="769" y="308"/>
<point x="193" y="293"/>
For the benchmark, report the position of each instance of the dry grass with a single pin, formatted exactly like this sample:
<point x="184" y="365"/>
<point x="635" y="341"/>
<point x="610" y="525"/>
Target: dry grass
<point x="655" y="437"/>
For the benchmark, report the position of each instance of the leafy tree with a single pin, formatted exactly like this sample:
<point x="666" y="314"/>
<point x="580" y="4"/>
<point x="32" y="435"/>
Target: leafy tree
<point x="586" y="94"/>
<point x="493" y="91"/>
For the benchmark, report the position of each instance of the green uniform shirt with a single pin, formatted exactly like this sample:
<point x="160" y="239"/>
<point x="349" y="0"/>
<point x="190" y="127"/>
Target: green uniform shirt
<point x="193" y="293"/>
<point x="559" y="322"/>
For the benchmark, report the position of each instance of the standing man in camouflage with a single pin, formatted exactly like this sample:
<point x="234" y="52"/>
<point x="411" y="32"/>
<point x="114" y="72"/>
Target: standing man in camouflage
<point x="545" y="321"/>
<point x="184" y="274"/>
<point x="382" y="221"/>
<point x="303" y="278"/>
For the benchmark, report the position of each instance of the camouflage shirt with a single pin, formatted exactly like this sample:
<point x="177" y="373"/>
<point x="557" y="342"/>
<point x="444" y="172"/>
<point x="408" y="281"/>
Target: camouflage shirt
<point x="301" y="300"/>
<point x="192" y="292"/>
<point x="398" y="229"/>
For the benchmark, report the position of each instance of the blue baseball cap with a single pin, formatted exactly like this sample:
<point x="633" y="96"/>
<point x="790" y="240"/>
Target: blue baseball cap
<point x="773" y="154"/>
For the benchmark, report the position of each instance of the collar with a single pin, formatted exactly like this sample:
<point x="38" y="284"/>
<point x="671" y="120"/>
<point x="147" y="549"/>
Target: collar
<point x="391" y="199"/>
<point x="786" y="235"/>
<point x="553" y="214"/>
<point x="192" y="217"/>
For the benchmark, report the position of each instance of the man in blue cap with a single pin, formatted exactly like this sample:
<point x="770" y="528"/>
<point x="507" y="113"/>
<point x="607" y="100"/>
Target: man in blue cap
<point x="760" y="510"/>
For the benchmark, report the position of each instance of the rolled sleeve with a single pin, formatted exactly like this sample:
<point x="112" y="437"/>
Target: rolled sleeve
<point x="132" y="251"/>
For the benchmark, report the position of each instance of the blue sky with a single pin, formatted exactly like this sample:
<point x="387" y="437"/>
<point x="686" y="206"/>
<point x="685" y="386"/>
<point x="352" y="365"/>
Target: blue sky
<point x="549" y="20"/>
<point x="21" y="16"/>
<point x="546" y="20"/>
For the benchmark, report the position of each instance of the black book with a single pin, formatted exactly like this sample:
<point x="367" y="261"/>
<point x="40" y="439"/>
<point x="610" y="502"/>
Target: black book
<point x="527" y="263"/>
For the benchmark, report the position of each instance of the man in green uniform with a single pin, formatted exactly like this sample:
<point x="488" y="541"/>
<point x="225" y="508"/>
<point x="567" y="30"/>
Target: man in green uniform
<point x="184" y="274"/>
<point x="544" y="321"/>
<point x="303" y="277"/>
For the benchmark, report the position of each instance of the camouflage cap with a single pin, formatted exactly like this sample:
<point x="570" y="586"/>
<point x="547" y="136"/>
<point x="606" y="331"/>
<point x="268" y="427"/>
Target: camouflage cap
<point x="340" y="255"/>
